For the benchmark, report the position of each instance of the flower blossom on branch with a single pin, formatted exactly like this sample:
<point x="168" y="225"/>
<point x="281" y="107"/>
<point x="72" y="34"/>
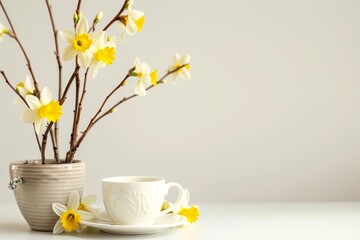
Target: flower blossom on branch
<point x="183" y="72"/>
<point x="80" y="43"/>
<point x="103" y="53"/>
<point x="41" y="110"/>
<point x="146" y="77"/>
<point x="133" y="22"/>
<point x="24" y="88"/>
<point x="3" y="31"/>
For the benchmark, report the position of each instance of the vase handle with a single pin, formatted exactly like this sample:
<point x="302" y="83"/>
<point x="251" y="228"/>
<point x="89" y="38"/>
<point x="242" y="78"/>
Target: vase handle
<point x="14" y="183"/>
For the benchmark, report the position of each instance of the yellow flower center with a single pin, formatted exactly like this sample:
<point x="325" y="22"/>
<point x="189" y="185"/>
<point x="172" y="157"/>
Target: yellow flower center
<point x="19" y="85"/>
<point x="192" y="213"/>
<point x="106" y="55"/>
<point x="52" y="111"/>
<point x="70" y="220"/>
<point x="139" y="74"/>
<point x="82" y="42"/>
<point x="140" y="23"/>
<point x="154" y="77"/>
<point x="82" y="207"/>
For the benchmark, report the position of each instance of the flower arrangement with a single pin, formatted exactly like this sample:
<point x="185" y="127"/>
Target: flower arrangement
<point x="91" y="50"/>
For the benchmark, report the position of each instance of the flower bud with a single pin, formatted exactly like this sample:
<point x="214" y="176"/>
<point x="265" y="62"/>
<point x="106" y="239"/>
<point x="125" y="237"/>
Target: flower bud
<point x="98" y="17"/>
<point x="75" y="18"/>
<point x="113" y="110"/>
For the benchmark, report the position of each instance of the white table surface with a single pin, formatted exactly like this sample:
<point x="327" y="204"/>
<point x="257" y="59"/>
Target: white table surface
<point x="268" y="221"/>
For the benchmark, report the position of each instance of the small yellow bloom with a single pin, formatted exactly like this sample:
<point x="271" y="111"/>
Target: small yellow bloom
<point x="70" y="220"/>
<point x="52" y="111"/>
<point x="82" y="42"/>
<point x="154" y="77"/>
<point x="106" y="55"/>
<point x="182" y="72"/>
<point x="191" y="213"/>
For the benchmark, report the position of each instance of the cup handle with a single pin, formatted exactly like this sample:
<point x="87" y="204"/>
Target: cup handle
<point x="178" y="200"/>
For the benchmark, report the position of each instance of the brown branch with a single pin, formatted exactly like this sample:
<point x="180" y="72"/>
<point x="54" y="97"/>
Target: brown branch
<point x="44" y="141"/>
<point x="116" y="17"/>
<point x="78" y="7"/>
<point x="72" y="151"/>
<point x="23" y="99"/>
<point x="55" y="148"/>
<point x="14" y="35"/>
<point x="57" y="55"/>
<point x="82" y="95"/>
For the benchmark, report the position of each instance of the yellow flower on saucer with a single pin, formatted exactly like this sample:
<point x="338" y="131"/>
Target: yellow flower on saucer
<point x="70" y="216"/>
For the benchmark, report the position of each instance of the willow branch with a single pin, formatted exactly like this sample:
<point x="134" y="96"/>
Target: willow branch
<point x="14" y="35"/>
<point x="55" y="139"/>
<point x="116" y="17"/>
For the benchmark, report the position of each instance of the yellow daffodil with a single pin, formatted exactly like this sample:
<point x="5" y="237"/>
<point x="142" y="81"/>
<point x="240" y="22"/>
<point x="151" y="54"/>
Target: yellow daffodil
<point x="80" y="43"/>
<point x="24" y="88"/>
<point x="3" y="31"/>
<point x="41" y="110"/>
<point x="86" y="204"/>
<point x="70" y="215"/>
<point x="146" y="77"/>
<point x="133" y="22"/>
<point x="103" y="53"/>
<point x="184" y="71"/>
<point x="190" y="212"/>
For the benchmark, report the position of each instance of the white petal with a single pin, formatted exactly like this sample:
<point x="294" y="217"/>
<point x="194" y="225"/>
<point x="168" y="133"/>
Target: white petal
<point x="135" y="14"/>
<point x="28" y="84"/>
<point x="84" y="59"/>
<point x="85" y="215"/>
<point x="139" y="89"/>
<point x="138" y="65"/>
<point x="185" y="73"/>
<point x="80" y="228"/>
<point x="95" y="70"/>
<point x="185" y="59"/>
<point x="73" y="201"/>
<point x="67" y="35"/>
<point x="131" y="28"/>
<point x="33" y="101"/>
<point x="40" y="125"/>
<point x="29" y="116"/>
<point x="145" y="68"/>
<point x="88" y="200"/>
<point x="69" y="53"/>
<point x="23" y="92"/>
<point x="58" y="228"/>
<point x="59" y="209"/>
<point x="146" y="80"/>
<point x="45" y="96"/>
<point x="82" y="26"/>
<point x="176" y="58"/>
<point x="98" y="37"/>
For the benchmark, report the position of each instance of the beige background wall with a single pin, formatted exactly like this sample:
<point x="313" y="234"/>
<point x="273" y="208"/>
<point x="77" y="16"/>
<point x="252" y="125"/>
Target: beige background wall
<point x="272" y="112"/>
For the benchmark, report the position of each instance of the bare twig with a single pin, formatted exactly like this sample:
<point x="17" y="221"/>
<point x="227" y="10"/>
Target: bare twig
<point x="23" y="99"/>
<point x="78" y="7"/>
<point x="14" y="35"/>
<point x="58" y="60"/>
<point x="53" y="141"/>
<point x="116" y="17"/>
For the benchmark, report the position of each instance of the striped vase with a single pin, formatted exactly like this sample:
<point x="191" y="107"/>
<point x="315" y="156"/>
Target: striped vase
<point x="44" y="185"/>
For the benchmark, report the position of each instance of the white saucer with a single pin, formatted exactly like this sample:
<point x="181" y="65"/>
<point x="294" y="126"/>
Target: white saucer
<point x="162" y="223"/>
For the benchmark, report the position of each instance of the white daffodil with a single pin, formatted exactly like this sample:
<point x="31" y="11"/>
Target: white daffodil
<point x="146" y="77"/>
<point x="3" y="31"/>
<point x="190" y="212"/>
<point x="178" y="62"/>
<point x="70" y="216"/>
<point x="103" y="53"/>
<point x="80" y="43"/>
<point x="86" y="204"/>
<point x="41" y="110"/>
<point x="133" y="22"/>
<point x="24" y="88"/>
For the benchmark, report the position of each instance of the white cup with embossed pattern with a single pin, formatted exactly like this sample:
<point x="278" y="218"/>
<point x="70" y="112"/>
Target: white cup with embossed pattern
<point x="137" y="199"/>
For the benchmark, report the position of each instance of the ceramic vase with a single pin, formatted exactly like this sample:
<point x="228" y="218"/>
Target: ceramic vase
<point x="37" y="186"/>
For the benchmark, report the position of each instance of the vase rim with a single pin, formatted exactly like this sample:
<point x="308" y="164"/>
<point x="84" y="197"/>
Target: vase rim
<point x="49" y="163"/>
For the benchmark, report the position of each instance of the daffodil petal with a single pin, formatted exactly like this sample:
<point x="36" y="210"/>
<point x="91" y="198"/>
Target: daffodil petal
<point x="29" y="116"/>
<point x="59" y="209"/>
<point x="45" y="96"/>
<point x="176" y="58"/>
<point x="185" y="59"/>
<point x="139" y="89"/>
<point x="28" y="84"/>
<point x="185" y="73"/>
<point x="33" y="101"/>
<point x="88" y="200"/>
<point x="135" y="14"/>
<point x="98" y="36"/>
<point x="69" y="53"/>
<point x="95" y="70"/>
<point x="84" y="60"/>
<point x="67" y="35"/>
<point x="73" y="201"/>
<point x="40" y="125"/>
<point x="131" y="28"/>
<point x="85" y="215"/>
<point x="137" y="65"/>
<point x="80" y="228"/>
<point x="82" y="26"/>
<point x="58" y="228"/>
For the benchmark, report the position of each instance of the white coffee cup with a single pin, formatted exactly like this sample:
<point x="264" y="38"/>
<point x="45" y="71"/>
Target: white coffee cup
<point x="137" y="199"/>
